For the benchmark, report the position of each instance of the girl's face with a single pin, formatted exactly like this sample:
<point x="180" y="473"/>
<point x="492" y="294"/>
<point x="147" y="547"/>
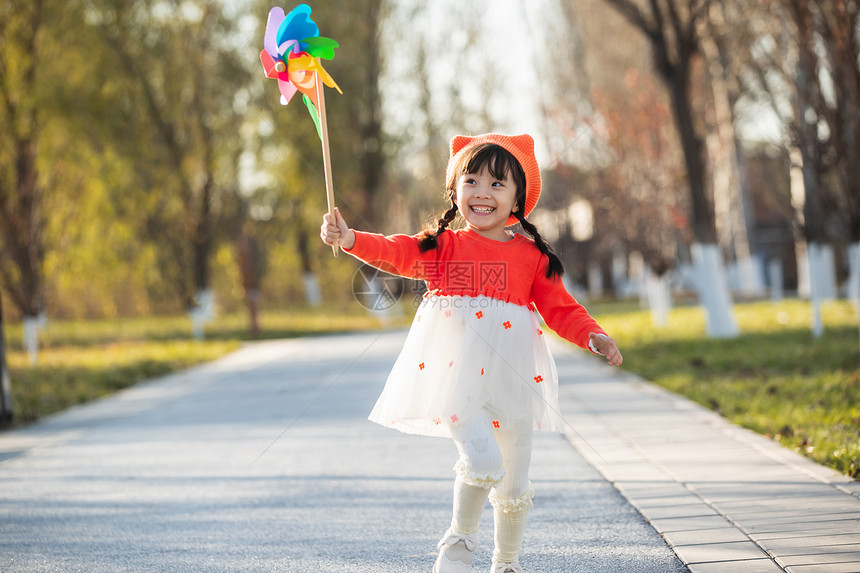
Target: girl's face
<point x="486" y="202"/>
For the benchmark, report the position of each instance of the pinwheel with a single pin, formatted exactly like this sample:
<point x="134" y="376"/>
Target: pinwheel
<point x="292" y="50"/>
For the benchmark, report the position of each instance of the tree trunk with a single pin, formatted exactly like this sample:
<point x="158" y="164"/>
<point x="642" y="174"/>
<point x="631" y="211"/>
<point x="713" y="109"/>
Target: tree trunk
<point x="659" y="297"/>
<point x="248" y="255"/>
<point x="854" y="281"/>
<point x="675" y="44"/>
<point x="731" y="205"/>
<point x="813" y="260"/>
<point x="714" y="291"/>
<point x="22" y="218"/>
<point x="704" y="228"/>
<point x="313" y="294"/>
<point x="711" y="280"/>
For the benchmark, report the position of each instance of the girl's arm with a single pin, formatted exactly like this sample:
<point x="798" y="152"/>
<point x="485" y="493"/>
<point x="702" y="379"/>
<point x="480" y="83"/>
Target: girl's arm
<point x="568" y="318"/>
<point x="395" y="254"/>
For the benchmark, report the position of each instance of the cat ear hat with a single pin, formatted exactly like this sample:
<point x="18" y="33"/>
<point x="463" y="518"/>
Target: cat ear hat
<point x="522" y="147"/>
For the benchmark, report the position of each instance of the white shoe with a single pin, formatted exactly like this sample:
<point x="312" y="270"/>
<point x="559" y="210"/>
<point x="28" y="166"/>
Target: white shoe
<point x="507" y="568"/>
<point x="455" y="553"/>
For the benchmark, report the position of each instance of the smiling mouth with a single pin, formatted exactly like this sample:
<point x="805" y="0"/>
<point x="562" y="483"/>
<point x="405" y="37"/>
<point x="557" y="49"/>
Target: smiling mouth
<point x="482" y="210"/>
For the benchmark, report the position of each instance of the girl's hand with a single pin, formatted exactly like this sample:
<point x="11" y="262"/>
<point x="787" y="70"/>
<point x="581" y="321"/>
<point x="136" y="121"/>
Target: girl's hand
<point x="606" y="346"/>
<point x="335" y="231"/>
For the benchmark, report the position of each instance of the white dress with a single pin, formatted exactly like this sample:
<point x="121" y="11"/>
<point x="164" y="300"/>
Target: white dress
<point x="470" y="355"/>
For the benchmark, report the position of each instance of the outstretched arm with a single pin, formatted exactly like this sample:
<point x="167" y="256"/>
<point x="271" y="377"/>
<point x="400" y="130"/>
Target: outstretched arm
<point x="335" y="231"/>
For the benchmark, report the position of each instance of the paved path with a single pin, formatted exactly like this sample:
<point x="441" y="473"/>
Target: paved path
<point x="726" y="499"/>
<point x="263" y="461"/>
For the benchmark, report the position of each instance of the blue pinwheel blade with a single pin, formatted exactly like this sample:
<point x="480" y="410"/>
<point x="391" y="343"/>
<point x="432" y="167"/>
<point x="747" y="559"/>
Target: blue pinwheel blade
<point x="298" y="25"/>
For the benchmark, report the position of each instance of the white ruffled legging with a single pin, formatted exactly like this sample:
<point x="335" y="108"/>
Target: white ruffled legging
<point x="494" y="463"/>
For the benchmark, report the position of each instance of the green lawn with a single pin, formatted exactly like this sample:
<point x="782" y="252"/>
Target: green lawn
<point x="775" y="378"/>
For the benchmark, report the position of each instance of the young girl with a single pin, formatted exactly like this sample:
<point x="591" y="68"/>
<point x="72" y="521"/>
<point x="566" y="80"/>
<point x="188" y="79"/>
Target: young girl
<point x="475" y="366"/>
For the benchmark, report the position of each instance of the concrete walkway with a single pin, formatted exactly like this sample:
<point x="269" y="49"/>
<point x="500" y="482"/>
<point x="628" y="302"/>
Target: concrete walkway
<point x="725" y="499"/>
<point x="263" y="461"/>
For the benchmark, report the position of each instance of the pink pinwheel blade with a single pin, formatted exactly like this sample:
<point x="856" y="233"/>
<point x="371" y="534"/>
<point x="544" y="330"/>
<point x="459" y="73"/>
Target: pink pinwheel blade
<point x="270" y="40"/>
<point x="287" y="91"/>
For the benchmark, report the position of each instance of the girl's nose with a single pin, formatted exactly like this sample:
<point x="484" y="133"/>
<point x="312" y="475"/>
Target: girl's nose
<point x="482" y="191"/>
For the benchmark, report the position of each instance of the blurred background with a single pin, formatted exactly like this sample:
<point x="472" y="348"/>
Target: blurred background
<point x="146" y="166"/>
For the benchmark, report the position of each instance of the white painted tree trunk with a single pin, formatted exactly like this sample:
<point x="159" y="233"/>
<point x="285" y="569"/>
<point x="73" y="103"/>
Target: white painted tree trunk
<point x="595" y="281"/>
<point x="203" y="313"/>
<point x="750" y="276"/>
<point x="659" y="298"/>
<point x="825" y="275"/>
<point x="714" y="291"/>
<point x="813" y="265"/>
<point x="854" y="278"/>
<point x="313" y="294"/>
<point x="32" y="324"/>
<point x="853" y="285"/>
<point x="775" y="276"/>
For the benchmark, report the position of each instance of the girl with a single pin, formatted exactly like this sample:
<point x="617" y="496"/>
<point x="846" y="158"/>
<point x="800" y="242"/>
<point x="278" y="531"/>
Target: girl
<point x="475" y="366"/>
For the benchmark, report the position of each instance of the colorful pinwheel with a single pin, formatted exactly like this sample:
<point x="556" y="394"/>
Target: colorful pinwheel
<point x="292" y="50"/>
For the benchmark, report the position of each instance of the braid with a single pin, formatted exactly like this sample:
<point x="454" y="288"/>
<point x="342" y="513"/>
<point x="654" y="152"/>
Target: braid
<point x="428" y="241"/>
<point x="555" y="268"/>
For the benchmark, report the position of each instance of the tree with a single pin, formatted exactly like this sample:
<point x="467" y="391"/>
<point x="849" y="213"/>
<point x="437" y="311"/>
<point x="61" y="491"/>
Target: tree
<point x="182" y="74"/>
<point x="724" y="48"/>
<point x="642" y="199"/>
<point x="805" y="67"/>
<point x="673" y="34"/>
<point x="24" y="116"/>
<point x="831" y="83"/>
<point x="286" y="197"/>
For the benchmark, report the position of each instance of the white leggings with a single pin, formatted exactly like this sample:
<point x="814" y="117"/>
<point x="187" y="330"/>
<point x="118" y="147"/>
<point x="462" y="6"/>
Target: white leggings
<point x="494" y="463"/>
<point x="492" y="457"/>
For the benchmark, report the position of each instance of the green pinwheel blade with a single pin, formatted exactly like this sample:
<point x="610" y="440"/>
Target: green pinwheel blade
<point x="320" y="47"/>
<point x="312" y="109"/>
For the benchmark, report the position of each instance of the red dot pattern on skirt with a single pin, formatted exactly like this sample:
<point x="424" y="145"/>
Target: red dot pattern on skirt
<point x="507" y="324"/>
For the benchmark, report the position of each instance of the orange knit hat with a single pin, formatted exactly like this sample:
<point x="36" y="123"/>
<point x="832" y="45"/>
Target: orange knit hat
<point x="522" y="147"/>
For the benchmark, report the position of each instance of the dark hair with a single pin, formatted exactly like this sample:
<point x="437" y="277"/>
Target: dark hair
<point x="499" y="162"/>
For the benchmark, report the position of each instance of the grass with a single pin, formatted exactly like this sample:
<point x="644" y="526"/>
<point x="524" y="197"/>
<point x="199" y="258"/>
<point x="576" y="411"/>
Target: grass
<point x="69" y="375"/>
<point x="775" y="378"/>
<point x="82" y="360"/>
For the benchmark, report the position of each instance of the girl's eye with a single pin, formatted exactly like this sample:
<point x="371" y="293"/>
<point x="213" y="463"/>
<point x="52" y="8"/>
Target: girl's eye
<point x="470" y="181"/>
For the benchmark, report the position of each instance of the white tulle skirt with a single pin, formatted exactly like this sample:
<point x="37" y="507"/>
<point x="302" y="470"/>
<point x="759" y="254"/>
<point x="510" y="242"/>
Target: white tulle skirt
<point x="464" y="355"/>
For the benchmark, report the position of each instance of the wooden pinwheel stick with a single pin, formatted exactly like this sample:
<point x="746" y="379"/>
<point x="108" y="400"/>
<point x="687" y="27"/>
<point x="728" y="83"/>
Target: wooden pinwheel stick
<point x="329" y="186"/>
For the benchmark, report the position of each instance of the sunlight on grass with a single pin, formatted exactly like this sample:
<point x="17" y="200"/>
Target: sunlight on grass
<point x="69" y="375"/>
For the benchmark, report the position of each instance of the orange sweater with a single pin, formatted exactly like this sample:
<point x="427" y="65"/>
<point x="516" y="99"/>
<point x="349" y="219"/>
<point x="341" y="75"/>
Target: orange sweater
<point x="467" y="264"/>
